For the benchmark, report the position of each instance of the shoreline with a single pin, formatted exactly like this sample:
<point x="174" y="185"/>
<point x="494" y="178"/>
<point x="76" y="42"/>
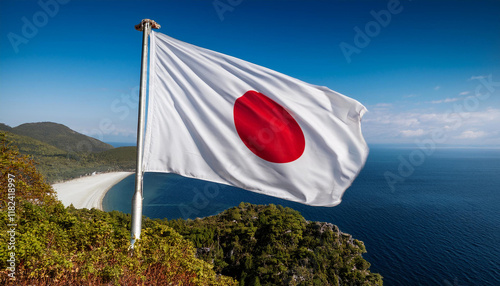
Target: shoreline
<point x="88" y="192"/>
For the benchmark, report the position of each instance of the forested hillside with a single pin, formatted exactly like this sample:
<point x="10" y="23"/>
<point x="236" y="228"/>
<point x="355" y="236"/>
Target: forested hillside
<point x="63" y="154"/>
<point x="61" y="137"/>
<point x="273" y="245"/>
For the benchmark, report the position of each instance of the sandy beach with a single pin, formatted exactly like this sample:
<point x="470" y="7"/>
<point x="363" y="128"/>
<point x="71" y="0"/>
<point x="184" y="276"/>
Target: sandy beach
<point x="88" y="192"/>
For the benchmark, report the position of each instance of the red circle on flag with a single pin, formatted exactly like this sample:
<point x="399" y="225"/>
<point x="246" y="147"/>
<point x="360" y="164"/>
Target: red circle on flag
<point x="267" y="129"/>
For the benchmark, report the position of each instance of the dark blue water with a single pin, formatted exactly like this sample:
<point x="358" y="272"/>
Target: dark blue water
<point x="438" y="225"/>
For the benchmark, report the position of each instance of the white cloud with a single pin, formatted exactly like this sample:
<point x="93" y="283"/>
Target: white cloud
<point x="477" y="77"/>
<point x="469" y="134"/>
<point x="412" y="133"/>
<point x="446" y="100"/>
<point x="380" y="107"/>
<point x="464" y="93"/>
<point x="475" y="127"/>
<point x="437" y="87"/>
<point x="388" y="119"/>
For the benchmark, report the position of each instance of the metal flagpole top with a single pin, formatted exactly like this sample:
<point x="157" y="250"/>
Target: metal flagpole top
<point x="140" y="26"/>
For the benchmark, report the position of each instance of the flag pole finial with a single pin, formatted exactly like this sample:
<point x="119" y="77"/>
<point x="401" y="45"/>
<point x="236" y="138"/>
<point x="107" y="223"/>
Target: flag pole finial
<point x="140" y="26"/>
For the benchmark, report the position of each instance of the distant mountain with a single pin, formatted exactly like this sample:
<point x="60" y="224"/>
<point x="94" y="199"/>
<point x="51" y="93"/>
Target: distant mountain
<point x="52" y="162"/>
<point x="63" y="154"/>
<point x="4" y="127"/>
<point x="61" y="137"/>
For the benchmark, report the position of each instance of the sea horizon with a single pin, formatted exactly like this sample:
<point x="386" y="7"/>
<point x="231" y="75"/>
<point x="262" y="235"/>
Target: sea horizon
<point x="370" y="145"/>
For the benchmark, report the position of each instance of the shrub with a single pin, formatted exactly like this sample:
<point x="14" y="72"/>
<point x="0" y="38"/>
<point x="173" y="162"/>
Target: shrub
<point x="55" y="245"/>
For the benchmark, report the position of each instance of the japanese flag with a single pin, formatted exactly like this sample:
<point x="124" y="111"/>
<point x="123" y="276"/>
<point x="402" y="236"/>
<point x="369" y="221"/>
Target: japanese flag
<point x="218" y="118"/>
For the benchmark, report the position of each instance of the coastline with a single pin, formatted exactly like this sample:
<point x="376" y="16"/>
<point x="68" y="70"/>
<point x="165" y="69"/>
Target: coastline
<point x="88" y="192"/>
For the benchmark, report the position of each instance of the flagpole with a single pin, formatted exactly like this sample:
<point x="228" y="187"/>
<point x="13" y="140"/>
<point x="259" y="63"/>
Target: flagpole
<point x="135" y="232"/>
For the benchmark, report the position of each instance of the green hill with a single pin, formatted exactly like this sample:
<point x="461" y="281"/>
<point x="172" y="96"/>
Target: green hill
<point x="4" y="127"/>
<point x="61" y="137"/>
<point x="56" y="164"/>
<point x="273" y="245"/>
<point x="121" y="157"/>
<point x="30" y="146"/>
<point x="57" y="160"/>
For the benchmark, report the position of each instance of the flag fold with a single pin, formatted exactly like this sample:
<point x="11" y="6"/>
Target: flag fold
<point x="214" y="117"/>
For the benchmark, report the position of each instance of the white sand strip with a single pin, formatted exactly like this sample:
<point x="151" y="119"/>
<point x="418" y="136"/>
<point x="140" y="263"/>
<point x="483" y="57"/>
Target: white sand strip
<point x="88" y="192"/>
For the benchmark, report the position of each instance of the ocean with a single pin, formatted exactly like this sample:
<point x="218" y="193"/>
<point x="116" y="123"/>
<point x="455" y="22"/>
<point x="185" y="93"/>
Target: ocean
<point x="427" y="217"/>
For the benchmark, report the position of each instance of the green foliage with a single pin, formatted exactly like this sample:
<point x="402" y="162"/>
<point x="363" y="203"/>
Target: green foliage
<point x="55" y="245"/>
<point x="66" y="246"/>
<point x="29" y="185"/>
<point x="58" y="165"/>
<point x="4" y="127"/>
<point x="121" y="158"/>
<point x="61" y="137"/>
<point x="272" y="245"/>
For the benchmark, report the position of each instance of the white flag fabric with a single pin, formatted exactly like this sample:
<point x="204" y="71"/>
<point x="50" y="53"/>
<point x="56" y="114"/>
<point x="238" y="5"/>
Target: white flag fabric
<point x="218" y="118"/>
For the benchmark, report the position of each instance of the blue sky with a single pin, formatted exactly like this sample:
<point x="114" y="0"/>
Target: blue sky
<point x="428" y="71"/>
